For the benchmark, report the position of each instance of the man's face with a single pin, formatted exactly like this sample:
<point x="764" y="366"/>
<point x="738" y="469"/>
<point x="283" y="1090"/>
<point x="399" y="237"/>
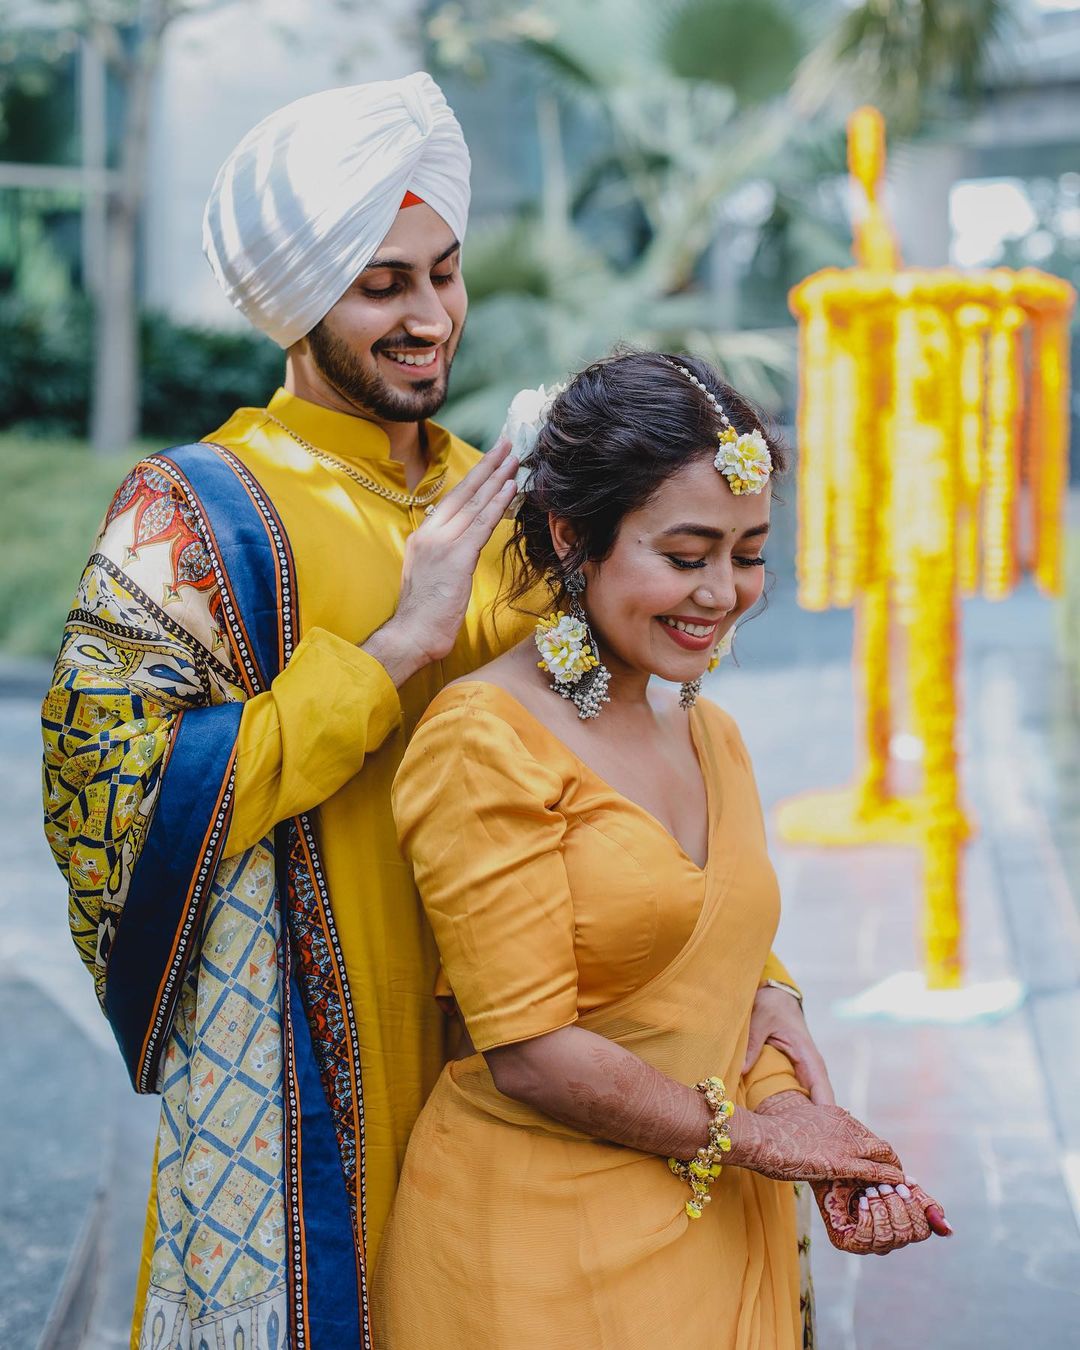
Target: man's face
<point x="387" y="345"/>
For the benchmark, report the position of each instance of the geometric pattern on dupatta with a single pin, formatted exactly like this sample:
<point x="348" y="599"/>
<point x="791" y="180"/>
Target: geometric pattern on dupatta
<point x="218" y="1267"/>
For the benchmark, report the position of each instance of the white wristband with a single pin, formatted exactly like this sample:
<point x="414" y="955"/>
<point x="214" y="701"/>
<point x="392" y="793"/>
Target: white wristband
<point x="787" y="988"/>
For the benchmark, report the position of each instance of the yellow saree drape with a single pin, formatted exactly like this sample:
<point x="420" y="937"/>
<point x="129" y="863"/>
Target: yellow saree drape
<point x="509" y="1228"/>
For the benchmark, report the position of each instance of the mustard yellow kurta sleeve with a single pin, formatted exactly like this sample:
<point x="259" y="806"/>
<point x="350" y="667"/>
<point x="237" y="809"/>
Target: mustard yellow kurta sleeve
<point x="475" y="818"/>
<point x="307" y="735"/>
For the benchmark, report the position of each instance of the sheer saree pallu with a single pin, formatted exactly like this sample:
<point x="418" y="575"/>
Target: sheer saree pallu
<point x="222" y="979"/>
<point x="545" y="1238"/>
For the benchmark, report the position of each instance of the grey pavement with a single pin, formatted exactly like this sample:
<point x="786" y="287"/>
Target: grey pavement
<point x="987" y="1115"/>
<point x="76" y="1140"/>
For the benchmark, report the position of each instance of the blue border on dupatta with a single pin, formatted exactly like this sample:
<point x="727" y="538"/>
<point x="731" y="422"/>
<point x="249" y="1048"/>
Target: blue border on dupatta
<point x="174" y="872"/>
<point x="330" y="1274"/>
<point x="176" y="867"/>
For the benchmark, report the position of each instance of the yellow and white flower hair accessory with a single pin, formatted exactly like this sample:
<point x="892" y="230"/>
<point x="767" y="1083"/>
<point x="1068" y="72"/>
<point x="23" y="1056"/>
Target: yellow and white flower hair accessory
<point x="528" y="412"/>
<point x="744" y="459"/>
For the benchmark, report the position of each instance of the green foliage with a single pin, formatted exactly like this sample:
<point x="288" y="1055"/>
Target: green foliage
<point x="45" y="372"/>
<point x="55" y="495"/>
<point x="750" y="48"/>
<point x="904" y="55"/>
<point x="37" y="95"/>
<point x="192" y="379"/>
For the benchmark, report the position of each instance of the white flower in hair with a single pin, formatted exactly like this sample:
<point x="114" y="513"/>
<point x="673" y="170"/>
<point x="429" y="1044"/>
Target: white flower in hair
<point x="527" y="414"/>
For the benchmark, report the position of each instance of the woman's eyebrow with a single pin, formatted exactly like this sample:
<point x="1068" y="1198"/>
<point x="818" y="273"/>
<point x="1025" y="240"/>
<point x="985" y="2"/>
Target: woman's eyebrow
<point x="711" y="532"/>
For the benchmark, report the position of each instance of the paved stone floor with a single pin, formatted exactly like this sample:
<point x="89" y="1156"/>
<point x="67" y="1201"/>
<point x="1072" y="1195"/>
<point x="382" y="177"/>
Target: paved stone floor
<point x="986" y="1115"/>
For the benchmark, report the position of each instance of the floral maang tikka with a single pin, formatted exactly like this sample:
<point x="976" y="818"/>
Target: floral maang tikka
<point x="743" y="457"/>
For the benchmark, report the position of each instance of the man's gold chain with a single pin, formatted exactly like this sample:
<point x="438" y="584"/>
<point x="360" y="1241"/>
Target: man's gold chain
<point x="400" y="498"/>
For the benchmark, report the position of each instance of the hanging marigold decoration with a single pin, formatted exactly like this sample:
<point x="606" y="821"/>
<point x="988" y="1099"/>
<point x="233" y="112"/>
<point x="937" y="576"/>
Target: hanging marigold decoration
<point x="933" y="463"/>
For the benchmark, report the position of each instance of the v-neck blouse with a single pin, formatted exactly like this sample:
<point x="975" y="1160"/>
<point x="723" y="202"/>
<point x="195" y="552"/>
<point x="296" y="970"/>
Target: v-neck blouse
<point x="550" y="893"/>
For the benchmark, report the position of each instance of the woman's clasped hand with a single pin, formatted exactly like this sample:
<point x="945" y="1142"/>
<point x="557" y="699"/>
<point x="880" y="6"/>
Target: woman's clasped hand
<point x="867" y="1202"/>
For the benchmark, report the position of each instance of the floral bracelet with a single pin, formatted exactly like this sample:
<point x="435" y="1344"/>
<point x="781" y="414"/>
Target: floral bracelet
<point x="704" y="1167"/>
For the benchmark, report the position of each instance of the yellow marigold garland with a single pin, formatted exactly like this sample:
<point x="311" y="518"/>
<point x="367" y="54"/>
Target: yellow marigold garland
<point x="913" y="449"/>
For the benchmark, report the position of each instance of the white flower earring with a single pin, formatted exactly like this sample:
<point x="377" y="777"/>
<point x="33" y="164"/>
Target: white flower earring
<point x="688" y="692"/>
<point x="568" y="653"/>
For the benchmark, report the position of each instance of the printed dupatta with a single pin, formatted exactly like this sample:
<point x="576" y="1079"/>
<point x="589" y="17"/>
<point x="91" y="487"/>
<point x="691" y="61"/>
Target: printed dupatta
<point x="222" y="978"/>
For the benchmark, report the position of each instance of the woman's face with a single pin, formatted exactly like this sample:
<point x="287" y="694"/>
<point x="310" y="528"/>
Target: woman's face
<point x="683" y="569"/>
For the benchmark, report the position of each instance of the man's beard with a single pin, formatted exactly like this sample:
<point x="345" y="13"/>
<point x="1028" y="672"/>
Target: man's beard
<point x="339" y="365"/>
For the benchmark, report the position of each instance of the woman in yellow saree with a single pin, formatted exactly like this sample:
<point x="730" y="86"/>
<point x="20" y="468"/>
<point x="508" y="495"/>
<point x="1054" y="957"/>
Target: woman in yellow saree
<point x="595" y="872"/>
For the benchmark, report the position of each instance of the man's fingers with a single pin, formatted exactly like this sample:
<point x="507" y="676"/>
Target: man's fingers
<point x="481" y="529"/>
<point x="753" y="1048"/>
<point x="468" y="514"/>
<point x="813" y="1075"/>
<point x="478" y="475"/>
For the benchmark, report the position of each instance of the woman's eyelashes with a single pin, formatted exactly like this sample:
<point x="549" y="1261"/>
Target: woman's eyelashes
<point x="687" y="563"/>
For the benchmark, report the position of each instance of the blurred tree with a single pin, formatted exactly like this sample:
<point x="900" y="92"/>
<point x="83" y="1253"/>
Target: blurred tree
<point x="123" y="38"/>
<point x="617" y="248"/>
<point x="903" y="55"/>
<point x="686" y="105"/>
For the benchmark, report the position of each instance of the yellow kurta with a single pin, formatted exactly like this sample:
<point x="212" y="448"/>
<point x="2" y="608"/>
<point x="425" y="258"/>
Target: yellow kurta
<point x="557" y="900"/>
<point x="334" y="712"/>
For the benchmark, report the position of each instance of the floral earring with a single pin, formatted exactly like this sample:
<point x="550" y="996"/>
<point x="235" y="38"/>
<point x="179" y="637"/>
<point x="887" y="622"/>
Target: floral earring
<point x="568" y="654"/>
<point x="688" y="692"/>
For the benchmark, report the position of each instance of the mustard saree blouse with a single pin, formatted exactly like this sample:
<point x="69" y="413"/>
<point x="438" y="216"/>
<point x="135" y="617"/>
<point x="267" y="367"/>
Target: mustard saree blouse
<point x="556" y="900"/>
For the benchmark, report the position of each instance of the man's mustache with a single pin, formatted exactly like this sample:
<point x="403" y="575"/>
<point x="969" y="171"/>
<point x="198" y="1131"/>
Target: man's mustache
<point x="403" y="343"/>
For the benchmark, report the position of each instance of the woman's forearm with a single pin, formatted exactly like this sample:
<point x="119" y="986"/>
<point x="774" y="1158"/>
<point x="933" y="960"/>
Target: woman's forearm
<point x="604" y="1090"/>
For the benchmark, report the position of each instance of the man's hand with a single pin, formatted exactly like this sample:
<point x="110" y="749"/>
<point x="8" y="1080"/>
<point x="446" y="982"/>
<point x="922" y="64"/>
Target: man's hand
<point x="777" y="1019"/>
<point x="437" y="573"/>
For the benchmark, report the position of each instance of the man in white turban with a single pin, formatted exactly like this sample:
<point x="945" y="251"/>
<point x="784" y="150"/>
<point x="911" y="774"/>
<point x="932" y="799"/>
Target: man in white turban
<point x="264" y="619"/>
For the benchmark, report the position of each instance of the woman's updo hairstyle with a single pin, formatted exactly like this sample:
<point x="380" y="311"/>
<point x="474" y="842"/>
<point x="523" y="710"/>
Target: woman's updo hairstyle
<point x="613" y="436"/>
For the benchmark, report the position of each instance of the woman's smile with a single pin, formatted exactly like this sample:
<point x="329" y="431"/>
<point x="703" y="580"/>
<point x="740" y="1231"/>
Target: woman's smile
<point x="693" y="635"/>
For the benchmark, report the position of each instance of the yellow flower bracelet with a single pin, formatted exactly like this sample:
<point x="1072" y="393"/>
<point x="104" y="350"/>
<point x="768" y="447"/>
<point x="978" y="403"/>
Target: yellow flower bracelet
<point x="702" y="1170"/>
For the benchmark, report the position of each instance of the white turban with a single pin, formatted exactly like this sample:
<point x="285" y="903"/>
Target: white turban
<point x="299" y="208"/>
